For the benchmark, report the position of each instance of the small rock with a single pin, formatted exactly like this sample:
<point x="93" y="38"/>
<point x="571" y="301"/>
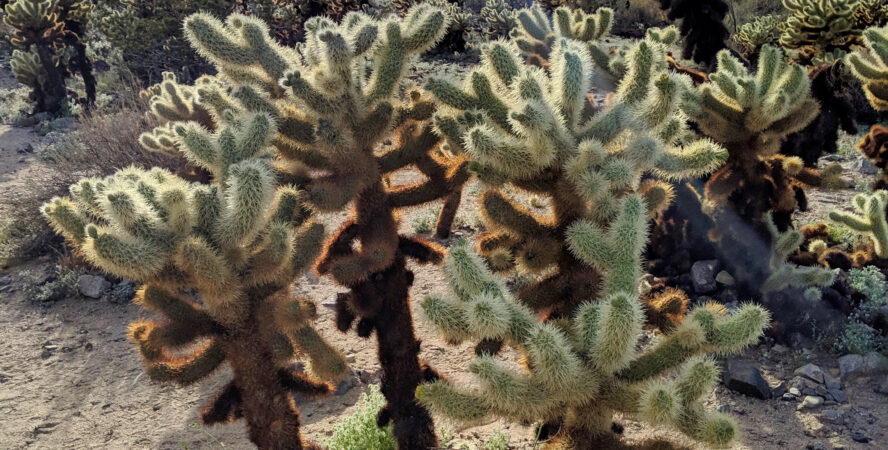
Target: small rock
<point x="5" y="281"/>
<point x="346" y="384"/>
<point x="882" y="388"/>
<point x="811" y="401"/>
<point x="859" y="436"/>
<point x="794" y="392"/>
<point x="725" y="278"/>
<point x="850" y="365"/>
<point x="703" y="276"/>
<point x="832" y="382"/>
<point x="92" y="286"/>
<point x="816" y="446"/>
<point x="864" y="166"/>
<point x="812" y="372"/>
<point x="833" y="416"/>
<point x="838" y="395"/>
<point x="874" y="362"/>
<point x="746" y="379"/>
<point x="724" y="408"/>
<point x="777" y="348"/>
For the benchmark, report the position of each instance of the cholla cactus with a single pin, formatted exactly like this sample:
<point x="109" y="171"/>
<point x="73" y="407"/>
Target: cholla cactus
<point x="171" y="102"/>
<point x="240" y="243"/>
<point x="872" y="67"/>
<point x="751" y="36"/>
<point x="44" y="28"/>
<point x="334" y="103"/>
<point x="817" y="26"/>
<point x="750" y="114"/>
<point x="702" y="27"/>
<point x="500" y="18"/>
<point x="537" y="33"/>
<point x="785" y="275"/>
<point x="869" y="220"/>
<point x="579" y="371"/>
<point x="537" y="131"/>
<point x="870" y="13"/>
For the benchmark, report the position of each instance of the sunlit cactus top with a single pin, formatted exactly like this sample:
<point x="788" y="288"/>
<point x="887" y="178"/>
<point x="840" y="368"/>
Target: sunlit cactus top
<point x="871" y="67"/>
<point x="536" y="32"/>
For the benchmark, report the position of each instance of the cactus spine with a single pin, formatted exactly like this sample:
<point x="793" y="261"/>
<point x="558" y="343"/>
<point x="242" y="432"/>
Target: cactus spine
<point x="580" y="370"/>
<point x="240" y="242"/>
<point x="333" y="111"/>
<point x="537" y="131"/>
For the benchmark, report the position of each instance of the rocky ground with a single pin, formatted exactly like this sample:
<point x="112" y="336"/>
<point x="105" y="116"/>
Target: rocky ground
<point x="70" y="379"/>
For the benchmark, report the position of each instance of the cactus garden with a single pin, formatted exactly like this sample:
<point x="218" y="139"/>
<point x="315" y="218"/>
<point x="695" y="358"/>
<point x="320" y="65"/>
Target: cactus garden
<point x="444" y="224"/>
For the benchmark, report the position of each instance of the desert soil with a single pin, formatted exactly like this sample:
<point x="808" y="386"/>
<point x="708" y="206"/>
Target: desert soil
<point x="70" y="379"/>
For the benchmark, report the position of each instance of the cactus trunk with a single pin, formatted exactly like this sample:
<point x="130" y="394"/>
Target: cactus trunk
<point x="54" y="89"/>
<point x="382" y="301"/>
<point x="272" y="420"/>
<point x="447" y="214"/>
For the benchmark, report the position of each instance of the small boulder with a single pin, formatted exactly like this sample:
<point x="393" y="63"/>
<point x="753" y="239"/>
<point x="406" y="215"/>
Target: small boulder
<point x="838" y="395"/>
<point x="833" y="416"/>
<point x="746" y="379"/>
<point x="811" y="401"/>
<point x="92" y="286"/>
<point x="725" y="278"/>
<point x="703" y="276"/>
<point x="850" y="365"/>
<point x="874" y="362"/>
<point x="812" y="372"/>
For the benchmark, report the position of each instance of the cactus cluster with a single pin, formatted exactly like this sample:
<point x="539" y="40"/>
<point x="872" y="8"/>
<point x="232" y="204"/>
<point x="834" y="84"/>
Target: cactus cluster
<point x="499" y="17"/>
<point x="579" y="371"/>
<point x="537" y="32"/>
<point x="870" y="13"/>
<point x="539" y="132"/>
<point x="41" y="32"/>
<point x="871" y="67"/>
<point x="784" y="274"/>
<point x="750" y="114"/>
<point x="751" y="36"/>
<point x="819" y="28"/>
<point x="334" y="110"/>
<point x="239" y="243"/>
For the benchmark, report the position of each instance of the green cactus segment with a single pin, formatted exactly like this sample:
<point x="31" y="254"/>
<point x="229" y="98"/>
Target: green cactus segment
<point x="784" y="274"/>
<point x="871" y="67"/>
<point x="585" y="366"/>
<point x="538" y="131"/>
<point x="870" y="219"/>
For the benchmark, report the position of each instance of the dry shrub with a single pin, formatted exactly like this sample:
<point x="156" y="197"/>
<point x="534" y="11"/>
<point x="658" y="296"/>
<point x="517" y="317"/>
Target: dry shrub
<point x="105" y="141"/>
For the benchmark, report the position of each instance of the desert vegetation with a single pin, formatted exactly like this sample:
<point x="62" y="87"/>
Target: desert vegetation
<point x="423" y="224"/>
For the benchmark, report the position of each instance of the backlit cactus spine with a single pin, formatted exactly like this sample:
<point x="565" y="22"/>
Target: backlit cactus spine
<point x="239" y="243"/>
<point x="334" y="110"/>
<point x="537" y="131"/>
<point x="578" y="372"/>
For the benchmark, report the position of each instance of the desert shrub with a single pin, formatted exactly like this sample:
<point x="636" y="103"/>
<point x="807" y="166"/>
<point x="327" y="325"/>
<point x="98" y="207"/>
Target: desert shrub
<point x="497" y="441"/>
<point x="631" y="18"/>
<point x="39" y="289"/>
<point x="423" y="223"/>
<point x="14" y="104"/>
<point x="359" y="430"/>
<point x="870" y="281"/>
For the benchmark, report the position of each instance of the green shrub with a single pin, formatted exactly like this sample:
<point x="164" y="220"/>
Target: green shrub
<point x="39" y="289"/>
<point x="423" y="224"/>
<point x="497" y="441"/>
<point x="359" y="430"/>
<point x="870" y="281"/>
<point x="13" y="104"/>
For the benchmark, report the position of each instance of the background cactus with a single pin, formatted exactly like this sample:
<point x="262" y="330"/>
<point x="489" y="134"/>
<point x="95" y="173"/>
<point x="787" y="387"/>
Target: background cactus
<point x="750" y="114"/>
<point x="41" y="32"/>
<point x="538" y="132"/>
<point x="702" y="27"/>
<point x="537" y="32"/>
<point x="871" y="67"/>
<point x="818" y="27"/>
<point x="499" y="17"/>
<point x="579" y="371"/>
<point x="333" y="112"/>
<point x="783" y="274"/>
<point x="870" y="220"/>
<point x="240" y="243"/>
<point x="751" y="36"/>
